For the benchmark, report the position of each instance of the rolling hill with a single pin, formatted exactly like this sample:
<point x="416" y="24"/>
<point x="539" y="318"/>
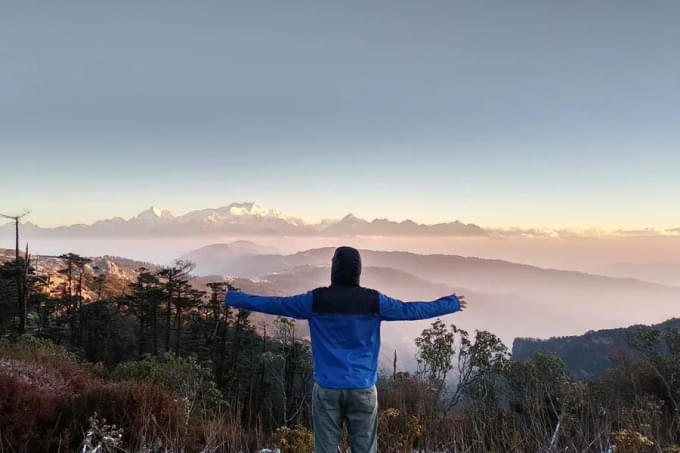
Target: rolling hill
<point x="589" y="355"/>
<point x="509" y="299"/>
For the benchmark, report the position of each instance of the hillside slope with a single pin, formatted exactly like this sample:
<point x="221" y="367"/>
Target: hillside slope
<point x="540" y="302"/>
<point x="588" y="355"/>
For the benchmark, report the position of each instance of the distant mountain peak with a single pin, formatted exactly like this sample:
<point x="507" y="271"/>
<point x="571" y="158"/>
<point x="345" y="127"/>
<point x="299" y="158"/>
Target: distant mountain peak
<point x="240" y="208"/>
<point x="154" y="213"/>
<point x="250" y="209"/>
<point x="352" y="218"/>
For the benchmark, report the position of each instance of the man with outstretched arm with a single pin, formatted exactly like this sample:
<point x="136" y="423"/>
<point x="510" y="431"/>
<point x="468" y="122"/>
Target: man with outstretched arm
<point x="344" y="323"/>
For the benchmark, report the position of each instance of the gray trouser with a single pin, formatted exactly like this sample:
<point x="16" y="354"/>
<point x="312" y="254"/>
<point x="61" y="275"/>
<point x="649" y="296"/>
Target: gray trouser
<point x="357" y="408"/>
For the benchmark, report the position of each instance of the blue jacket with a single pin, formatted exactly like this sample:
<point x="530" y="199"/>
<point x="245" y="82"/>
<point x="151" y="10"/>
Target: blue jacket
<point x="344" y="323"/>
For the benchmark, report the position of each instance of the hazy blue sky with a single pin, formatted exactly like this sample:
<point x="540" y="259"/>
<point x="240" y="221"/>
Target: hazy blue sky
<point x="532" y="113"/>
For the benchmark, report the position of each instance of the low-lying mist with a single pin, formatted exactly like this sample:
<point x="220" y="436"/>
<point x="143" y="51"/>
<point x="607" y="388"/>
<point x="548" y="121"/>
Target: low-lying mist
<point x="506" y="297"/>
<point x="655" y="258"/>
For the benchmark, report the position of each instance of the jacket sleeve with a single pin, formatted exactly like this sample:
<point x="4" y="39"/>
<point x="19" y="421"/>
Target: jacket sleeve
<point x="298" y="307"/>
<point x="396" y="310"/>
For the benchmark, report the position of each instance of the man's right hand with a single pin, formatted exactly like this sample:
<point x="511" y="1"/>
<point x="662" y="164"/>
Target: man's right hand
<point x="463" y="302"/>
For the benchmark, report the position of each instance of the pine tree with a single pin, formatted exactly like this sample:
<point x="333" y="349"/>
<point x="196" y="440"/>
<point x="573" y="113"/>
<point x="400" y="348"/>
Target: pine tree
<point x="143" y="301"/>
<point x="173" y="278"/>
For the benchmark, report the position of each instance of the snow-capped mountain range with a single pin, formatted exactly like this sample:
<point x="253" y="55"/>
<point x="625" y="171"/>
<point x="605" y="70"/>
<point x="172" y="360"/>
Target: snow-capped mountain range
<point x="245" y="219"/>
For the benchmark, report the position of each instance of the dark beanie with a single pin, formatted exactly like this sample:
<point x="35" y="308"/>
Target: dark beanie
<point x="346" y="268"/>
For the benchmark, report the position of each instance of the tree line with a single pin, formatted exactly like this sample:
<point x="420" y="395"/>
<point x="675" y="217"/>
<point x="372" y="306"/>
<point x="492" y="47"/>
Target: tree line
<point x="263" y="376"/>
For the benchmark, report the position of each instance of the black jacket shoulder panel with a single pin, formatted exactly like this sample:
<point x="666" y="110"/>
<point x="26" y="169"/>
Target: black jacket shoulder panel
<point x="342" y="300"/>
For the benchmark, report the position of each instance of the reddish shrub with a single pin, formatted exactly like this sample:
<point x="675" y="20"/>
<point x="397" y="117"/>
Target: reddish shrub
<point x="41" y="410"/>
<point x="30" y="394"/>
<point x="47" y="399"/>
<point x="46" y="365"/>
<point x="42" y="378"/>
<point x="26" y="414"/>
<point x="144" y="412"/>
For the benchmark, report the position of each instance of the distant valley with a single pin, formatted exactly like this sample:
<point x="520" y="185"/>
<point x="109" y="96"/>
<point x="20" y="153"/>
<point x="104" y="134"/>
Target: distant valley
<point x="509" y="299"/>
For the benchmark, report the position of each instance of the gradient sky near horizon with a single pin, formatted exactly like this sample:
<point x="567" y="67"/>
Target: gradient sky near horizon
<point x="507" y="113"/>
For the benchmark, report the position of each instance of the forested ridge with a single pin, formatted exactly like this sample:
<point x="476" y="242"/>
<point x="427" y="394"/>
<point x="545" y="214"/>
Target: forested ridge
<point x="97" y="358"/>
<point x="593" y="353"/>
